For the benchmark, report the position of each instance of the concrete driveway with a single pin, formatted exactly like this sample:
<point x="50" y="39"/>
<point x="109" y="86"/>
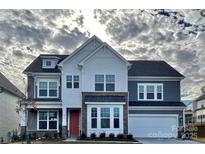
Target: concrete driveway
<point x="165" y="141"/>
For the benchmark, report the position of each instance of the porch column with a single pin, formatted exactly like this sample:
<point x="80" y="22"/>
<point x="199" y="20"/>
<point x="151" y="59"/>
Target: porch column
<point x="23" y="120"/>
<point x="64" y="123"/>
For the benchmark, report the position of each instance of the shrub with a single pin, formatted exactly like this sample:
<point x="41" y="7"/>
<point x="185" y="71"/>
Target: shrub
<point x="46" y="135"/>
<point x="130" y="136"/>
<point x="83" y="135"/>
<point x="102" y="135"/>
<point x="34" y="136"/>
<point x="93" y="136"/>
<point x="111" y="135"/>
<point x="55" y="135"/>
<point x="120" y="136"/>
<point x="2" y="140"/>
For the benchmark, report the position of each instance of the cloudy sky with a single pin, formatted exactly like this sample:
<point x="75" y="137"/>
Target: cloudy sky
<point x="176" y="36"/>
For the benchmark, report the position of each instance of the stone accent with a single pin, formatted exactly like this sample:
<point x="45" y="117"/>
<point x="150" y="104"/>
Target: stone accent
<point x="84" y="108"/>
<point x="64" y="132"/>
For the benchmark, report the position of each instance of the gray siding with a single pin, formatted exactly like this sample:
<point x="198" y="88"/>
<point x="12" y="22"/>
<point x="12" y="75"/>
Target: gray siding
<point x="178" y="112"/>
<point x="32" y="119"/>
<point x="171" y="90"/>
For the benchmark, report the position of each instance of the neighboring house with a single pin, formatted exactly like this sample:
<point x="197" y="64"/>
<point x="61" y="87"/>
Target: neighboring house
<point x="96" y="90"/>
<point x="199" y="110"/>
<point x="9" y="101"/>
<point x="188" y="112"/>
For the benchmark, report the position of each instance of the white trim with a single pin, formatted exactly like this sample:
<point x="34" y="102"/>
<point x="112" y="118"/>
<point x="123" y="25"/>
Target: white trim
<point x="154" y="108"/>
<point x="105" y="83"/>
<point x="148" y="115"/>
<point x="107" y="130"/>
<point x="47" y="111"/>
<point x="145" y="91"/>
<point x="105" y="103"/>
<point x="42" y="73"/>
<point x="98" y="49"/>
<point x="154" y="78"/>
<point x="78" y="49"/>
<point x="47" y="80"/>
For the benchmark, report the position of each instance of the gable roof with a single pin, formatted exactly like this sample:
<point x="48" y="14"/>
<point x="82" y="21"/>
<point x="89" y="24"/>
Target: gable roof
<point x="202" y="97"/>
<point x="78" y="49"/>
<point x="36" y="65"/>
<point x="98" y="49"/>
<point x="152" y="69"/>
<point x="8" y="86"/>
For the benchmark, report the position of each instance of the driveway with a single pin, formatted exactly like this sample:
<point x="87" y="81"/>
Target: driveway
<point x="165" y="141"/>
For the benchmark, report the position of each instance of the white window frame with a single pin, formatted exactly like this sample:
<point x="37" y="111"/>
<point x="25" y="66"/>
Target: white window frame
<point x="47" y="111"/>
<point x="52" y="63"/>
<point x="104" y="82"/>
<point x="89" y="117"/>
<point x="72" y="82"/>
<point x="47" y="80"/>
<point x="145" y="91"/>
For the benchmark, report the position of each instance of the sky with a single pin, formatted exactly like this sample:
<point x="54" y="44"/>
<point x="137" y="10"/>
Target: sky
<point x="175" y="36"/>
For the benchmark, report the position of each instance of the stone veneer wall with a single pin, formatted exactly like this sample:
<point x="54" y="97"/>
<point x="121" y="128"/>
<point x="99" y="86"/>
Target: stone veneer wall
<point x="84" y="108"/>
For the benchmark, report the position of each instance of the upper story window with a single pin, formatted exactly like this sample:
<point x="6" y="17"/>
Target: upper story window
<point x="150" y="92"/>
<point x="104" y="82"/>
<point x="72" y="81"/>
<point x="49" y="63"/>
<point x="47" y="89"/>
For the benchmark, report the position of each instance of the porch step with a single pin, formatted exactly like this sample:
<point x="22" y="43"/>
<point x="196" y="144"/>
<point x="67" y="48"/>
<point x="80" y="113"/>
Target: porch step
<point x="71" y="139"/>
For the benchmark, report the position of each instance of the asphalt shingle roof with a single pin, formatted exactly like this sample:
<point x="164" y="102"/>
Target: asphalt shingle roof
<point x="7" y="85"/>
<point x="152" y="103"/>
<point x="138" y="68"/>
<point x="36" y="65"/>
<point x="152" y="68"/>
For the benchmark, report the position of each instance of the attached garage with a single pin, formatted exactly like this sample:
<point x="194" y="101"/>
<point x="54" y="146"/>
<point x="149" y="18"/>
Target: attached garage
<point x="153" y="125"/>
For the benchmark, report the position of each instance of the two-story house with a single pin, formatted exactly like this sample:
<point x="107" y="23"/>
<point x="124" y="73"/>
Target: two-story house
<point x="96" y="90"/>
<point x="10" y="98"/>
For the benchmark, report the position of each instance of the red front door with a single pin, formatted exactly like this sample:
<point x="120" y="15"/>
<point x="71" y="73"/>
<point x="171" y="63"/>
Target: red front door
<point x="74" y="123"/>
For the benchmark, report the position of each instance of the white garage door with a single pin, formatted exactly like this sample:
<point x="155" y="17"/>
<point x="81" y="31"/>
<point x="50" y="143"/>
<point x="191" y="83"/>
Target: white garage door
<point x="154" y="126"/>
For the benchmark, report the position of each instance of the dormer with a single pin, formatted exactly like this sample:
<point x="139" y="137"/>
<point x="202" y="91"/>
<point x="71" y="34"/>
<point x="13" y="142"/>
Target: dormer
<point x="49" y="62"/>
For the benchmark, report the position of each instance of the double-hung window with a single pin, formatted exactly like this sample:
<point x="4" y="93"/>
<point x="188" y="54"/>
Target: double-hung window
<point x="110" y="83"/>
<point x="72" y="81"/>
<point x="150" y="91"/>
<point x="99" y="82"/>
<point x="104" y="82"/>
<point x="105" y="117"/>
<point x="94" y="117"/>
<point x="47" y="120"/>
<point x="116" y="112"/>
<point x="48" y="89"/>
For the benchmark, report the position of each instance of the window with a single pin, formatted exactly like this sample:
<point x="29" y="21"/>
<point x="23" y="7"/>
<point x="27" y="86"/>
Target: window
<point x="159" y="92"/>
<point x="43" y="89"/>
<point x="42" y="120"/>
<point x="110" y="83"/>
<point x="48" y="89"/>
<point x="93" y="117"/>
<point x="99" y="82"/>
<point x="76" y="81"/>
<point x="150" y="91"/>
<point x="47" y="120"/>
<point x="53" y="88"/>
<point x="116" y="116"/>
<point x="69" y="81"/>
<point x="48" y="63"/>
<point x="72" y="81"/>
<point x="105" y="117"/>
<point x="104" y="82"/>
<point x="141" y="92"/>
